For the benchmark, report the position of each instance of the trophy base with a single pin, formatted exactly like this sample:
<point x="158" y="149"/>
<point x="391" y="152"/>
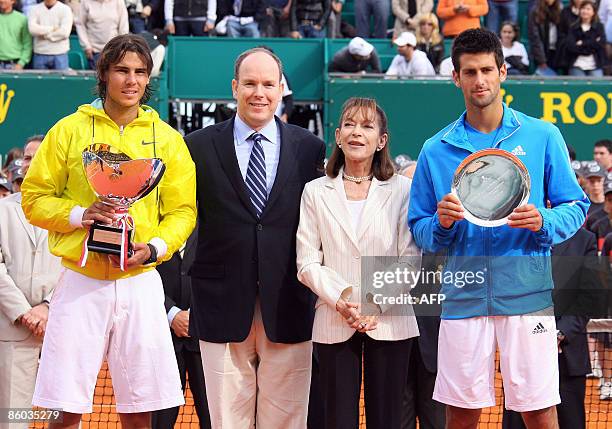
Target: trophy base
<point x="107" y="239"/>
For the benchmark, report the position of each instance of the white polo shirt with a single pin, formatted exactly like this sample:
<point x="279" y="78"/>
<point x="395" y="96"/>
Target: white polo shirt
<point x="419" y="65"/>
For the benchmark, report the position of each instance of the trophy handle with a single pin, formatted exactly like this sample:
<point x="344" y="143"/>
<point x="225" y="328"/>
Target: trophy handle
<point x="155" y="182"/>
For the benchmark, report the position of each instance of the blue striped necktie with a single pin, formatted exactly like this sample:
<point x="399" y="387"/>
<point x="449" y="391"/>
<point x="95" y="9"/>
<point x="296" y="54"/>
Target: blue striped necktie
<point x="256" y="175"/>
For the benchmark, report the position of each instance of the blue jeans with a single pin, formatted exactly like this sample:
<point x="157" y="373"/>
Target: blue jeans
<point x="190" y="27"/>
<point x="575" y="71"/>
<point x="50" y="62"/>
<point x="7" y="66"/>
<point x="235" y="29"/>
<point x="379" y="9"/>
<point x="137" y="24"/>
<point x="547" y="72"/>
<point x="500" y="12"/>
<point x="309" y="32"/>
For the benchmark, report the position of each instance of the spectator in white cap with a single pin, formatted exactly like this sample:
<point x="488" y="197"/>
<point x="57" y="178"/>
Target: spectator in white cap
<point x="17" y="180"/>
<point x="409" y="61"/>
<point x="357" y="57"/>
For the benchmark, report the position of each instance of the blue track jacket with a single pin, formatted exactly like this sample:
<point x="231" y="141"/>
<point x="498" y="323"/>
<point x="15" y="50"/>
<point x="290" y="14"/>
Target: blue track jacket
<point x="510" y="267"/>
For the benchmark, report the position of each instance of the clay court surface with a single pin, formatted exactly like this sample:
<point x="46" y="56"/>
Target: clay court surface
<point x="599" y="413"/>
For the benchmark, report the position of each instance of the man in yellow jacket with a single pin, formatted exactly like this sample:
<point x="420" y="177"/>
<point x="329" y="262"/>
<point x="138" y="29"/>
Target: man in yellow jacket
<point x="100" y="312"/>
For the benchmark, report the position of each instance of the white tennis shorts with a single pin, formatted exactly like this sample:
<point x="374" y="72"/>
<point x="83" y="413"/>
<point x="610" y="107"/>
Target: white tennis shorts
<point x="528" y="361"/>
<point x="122" y="321"/>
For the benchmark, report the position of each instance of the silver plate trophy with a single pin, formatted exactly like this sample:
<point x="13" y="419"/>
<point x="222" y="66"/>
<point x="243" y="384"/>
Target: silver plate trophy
<point x="490" y="184"/>
<point x="122" y="181"/>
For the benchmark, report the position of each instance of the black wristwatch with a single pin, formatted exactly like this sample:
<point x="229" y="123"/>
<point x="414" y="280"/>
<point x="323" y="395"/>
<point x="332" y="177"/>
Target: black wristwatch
<point x="153" y="257"/>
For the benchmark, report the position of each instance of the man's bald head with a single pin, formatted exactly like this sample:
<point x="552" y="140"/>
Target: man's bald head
<point x="258" y="50"/>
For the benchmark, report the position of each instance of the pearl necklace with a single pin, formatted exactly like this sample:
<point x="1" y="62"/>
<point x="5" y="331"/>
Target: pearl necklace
<point x="357" y="180"/>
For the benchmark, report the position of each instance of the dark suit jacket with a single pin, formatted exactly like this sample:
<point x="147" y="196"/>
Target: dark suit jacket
<point x="240" y="257"/>
<point x="177" y="288"/>
<point x="576" y="295"/>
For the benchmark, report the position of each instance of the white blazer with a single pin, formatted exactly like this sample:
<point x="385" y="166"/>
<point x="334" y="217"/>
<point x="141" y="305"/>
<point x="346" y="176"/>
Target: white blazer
<point x="28" y="271"/>
<point x="329" y="252"/>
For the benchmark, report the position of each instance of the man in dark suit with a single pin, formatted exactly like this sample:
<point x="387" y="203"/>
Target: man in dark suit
<point x="253" y="317"/>
<point x="177" y="288"/>
<point x="577" y="294"/>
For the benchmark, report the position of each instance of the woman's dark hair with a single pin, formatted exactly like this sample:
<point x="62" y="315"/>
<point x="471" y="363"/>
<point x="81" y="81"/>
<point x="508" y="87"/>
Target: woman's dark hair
<point x="515" y="28"/>
<point x="113" y="53"/>
<point x="477" y="41"/>
<point x="382" y="165"/>
<point x="544" y="12"/>
<point x="593" y="5"/>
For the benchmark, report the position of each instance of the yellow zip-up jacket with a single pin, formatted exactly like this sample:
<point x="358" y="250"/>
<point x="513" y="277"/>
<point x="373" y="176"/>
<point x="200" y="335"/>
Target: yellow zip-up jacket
<point x="55" y="184"/>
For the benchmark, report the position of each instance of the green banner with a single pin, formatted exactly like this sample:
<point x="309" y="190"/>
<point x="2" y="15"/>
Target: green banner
<point x="417" y="109"/>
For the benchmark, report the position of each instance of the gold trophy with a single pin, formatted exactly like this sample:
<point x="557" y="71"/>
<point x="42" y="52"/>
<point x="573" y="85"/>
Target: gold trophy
<point x="121" y="181"/>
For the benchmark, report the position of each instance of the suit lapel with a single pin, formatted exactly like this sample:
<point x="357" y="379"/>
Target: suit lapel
<point x="378" y="195"/>
<point x="333" y="198"/>
<point x="26" y="225"/>
<point x="286" y="164"/>
<point x="224" y="145"/>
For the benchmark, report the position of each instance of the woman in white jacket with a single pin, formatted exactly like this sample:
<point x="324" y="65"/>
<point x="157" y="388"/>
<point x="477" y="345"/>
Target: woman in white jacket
<point x="353" y="228"/>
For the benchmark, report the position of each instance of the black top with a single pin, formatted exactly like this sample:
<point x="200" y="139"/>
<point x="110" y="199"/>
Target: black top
<point x="567" y="20"/>
<point x="602" y="228"/>
<point x="177" y="288"/>
<point x="538" y="34"/>
<point x="606" y="249"/>
<point x="315" y="11"/>
<point x="190" y="8"/>
<point x="591" y="42"/>
<point x="254" y="8"/>
<point x="435" y="53"/>
<point x="577" y="295"/>
<point x="595" y="213"/>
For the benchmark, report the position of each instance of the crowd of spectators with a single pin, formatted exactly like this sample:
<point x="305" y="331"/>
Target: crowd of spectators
<point x="570" y="40"/>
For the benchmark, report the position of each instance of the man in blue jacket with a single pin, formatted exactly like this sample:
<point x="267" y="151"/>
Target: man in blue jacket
<point x="507" y="303"/>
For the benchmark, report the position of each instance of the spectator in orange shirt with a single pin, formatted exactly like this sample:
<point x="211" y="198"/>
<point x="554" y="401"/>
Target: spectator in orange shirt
<point x="460" y="15"/>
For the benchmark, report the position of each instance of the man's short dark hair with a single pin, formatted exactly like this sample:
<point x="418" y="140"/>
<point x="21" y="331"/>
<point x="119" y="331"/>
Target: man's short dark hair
<point x="477" y="41"/>
<point x="604" y="143"/>
<point x="263" y="49"/>
<point x="113" y="53"/>
<point x="34" y="138"/>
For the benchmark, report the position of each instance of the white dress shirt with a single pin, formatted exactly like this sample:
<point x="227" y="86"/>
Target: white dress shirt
<point x="271" y="146"/>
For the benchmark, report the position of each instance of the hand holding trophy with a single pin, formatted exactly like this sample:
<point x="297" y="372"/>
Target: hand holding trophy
<point x="118" y="181"/>
<point x="490" y="184"/>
